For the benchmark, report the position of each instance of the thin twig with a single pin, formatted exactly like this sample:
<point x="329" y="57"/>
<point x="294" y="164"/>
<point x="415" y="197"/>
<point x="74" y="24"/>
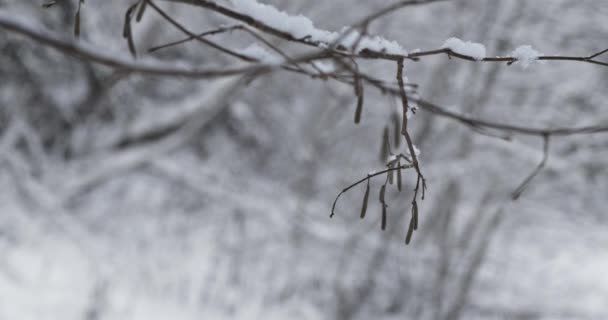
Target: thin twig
<point x="519" y="190"/>
<point x="183" y="29"/>
<point x="507" y="59"/>
<point x="505" y="127"/>
<point x="369" y="176"/>
<point x="200" y="35"/>
<point x="405" y="132"/>
<point x="597" y="54"/>
<point x="364" y="23"/>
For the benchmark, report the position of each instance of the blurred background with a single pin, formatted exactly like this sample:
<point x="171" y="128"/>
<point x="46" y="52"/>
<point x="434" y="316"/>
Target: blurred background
<point x="109" y="210"/>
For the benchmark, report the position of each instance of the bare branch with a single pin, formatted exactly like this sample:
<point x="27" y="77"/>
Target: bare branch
<point x="96" y="55"/>
<point x="508" y="59"/>
<point x="369" y="176"/>
<point x="510" y="128"/>
<point x="198" y="36"/>
<point x="597" y="54"/>
<point x="183" y="29"/>
<point x="517" y="192"/>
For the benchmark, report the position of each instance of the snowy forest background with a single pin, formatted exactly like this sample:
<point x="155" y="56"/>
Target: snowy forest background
<point x="111" y="208"/>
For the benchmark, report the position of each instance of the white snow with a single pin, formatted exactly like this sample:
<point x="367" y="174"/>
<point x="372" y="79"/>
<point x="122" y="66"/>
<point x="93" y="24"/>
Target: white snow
<point x="375" y="43"/>
<point x="416" y="150"/>
<point x="301" y="27"/>
<point x="298" y="26"/>
<point x="474" y="50"/>
<point x="525" y="55"/>
<point x="326" y="67"/>
<point x="256" y="51"/>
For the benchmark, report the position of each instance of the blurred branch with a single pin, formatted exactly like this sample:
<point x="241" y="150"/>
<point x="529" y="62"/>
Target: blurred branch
<point x="117" y="162"/>
<point x="197" y="36"/>
<point x="515" y="195"/>
<point x="9" y="136"/>
<point x="97" y="55"/>
<point x="447" y="208"/>
<point x="350" y="301"/>
<point x="46" y="198"/>
<point x="484" y="242"/>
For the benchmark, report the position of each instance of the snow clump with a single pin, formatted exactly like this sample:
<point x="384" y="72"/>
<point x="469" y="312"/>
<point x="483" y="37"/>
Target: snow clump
<point x="525" y="55"/>
<point x="474" y="50"/>
<point x="301" y="27"/>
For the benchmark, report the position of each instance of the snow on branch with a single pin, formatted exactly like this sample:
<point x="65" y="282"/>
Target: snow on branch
<point x="271" y="20"/>
<point x="301" y="27"/>
<point x="474" y="50"/>
<point x="525" y="55"/>
<point x="345" y="49"/>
